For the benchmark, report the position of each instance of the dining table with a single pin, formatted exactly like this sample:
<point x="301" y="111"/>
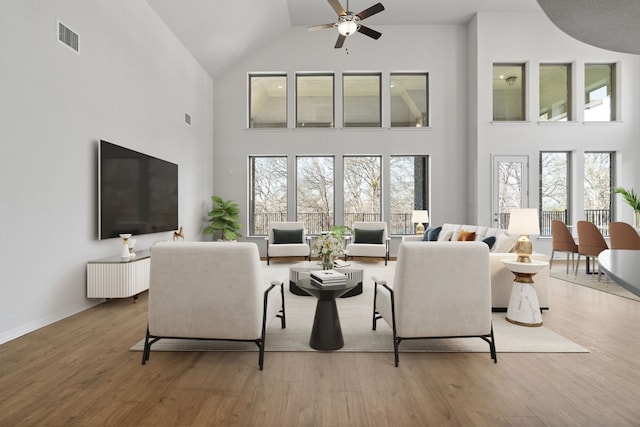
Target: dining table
<point x="623" y="267"/>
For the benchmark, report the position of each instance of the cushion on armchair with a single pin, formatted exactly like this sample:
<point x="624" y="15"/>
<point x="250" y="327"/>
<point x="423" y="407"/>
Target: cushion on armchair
<point x="372" y="237"/>
<point x="287" y="236"/>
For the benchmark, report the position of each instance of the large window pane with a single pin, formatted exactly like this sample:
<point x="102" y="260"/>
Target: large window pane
<point x="508" y="92"/>
<point x="409" y="100"/>
<point x="267" y="192"/>
<point x="598" y="189"/>
<point x="599" y="92"/>
<point x="361" y="100"/>
<point x="268" y="101"/>
<point x="362" y="189"/>
<point x="314" y="100"/>
<point x="314" y="193"/>
<point x="554" y="190"/>
<point x="555" y="90"/>
<point x="408" y="191"/>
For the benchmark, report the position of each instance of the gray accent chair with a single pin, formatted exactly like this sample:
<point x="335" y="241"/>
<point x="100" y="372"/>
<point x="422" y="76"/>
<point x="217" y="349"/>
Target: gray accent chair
<point x="211" y="291"/>
<point x="439" y="290"/>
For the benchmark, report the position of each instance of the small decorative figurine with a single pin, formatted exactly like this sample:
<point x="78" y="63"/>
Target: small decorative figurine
<point x="179" y="233"/>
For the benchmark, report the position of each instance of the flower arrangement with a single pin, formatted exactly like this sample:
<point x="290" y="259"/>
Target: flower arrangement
<point x="327" y="246"/>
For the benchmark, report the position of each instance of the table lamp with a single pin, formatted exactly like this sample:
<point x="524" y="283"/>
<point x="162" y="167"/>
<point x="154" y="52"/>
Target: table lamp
<point x="525" y="223"/>
<point x="420" y="217"/>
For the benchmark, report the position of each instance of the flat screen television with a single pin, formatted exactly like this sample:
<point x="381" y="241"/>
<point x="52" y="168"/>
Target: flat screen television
<point x="137" y="193"/>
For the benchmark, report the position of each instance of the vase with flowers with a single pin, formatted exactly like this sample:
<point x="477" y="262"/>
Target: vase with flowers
<point x="327" y="246"/>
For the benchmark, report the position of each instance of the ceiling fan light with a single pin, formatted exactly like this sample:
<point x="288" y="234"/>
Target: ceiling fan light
<point x="346" y="28"/>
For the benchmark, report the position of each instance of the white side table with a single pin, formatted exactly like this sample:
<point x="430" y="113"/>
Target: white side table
<point x="523" y="308"/>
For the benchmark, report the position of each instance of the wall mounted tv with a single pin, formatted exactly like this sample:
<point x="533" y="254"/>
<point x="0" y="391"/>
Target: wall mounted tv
<point x="137" y="193"/>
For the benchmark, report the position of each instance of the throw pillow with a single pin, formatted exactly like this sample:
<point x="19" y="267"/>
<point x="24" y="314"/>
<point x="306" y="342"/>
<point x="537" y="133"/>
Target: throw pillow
<point x="434" y="232"/>
<point x="425" y="236"/>
<point x="504" y="243"/>
<point x="282" y="237"/>
<point x="466" y="236"/>
<point x="490" y="241"/>
<point x="446" y="237"/>
<point x="372" y="237"/>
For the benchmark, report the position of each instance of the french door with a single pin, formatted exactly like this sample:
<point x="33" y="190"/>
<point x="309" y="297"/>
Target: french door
<point x="509" y="188"/>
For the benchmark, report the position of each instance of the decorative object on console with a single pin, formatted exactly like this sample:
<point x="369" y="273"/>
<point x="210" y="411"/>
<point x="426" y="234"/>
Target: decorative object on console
<point x="420" y="217"/>
<point x="224" y="216"/>
<point x="179" y="233"/>
<point x="525" y="223"/>
<point x="125" y="254"/>
<point x="132" y="245"/>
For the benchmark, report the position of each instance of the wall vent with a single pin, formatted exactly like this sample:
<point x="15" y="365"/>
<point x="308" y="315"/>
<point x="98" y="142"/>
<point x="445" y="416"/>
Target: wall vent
<point x="67" y="36"/>
<point x="187" y="119"/>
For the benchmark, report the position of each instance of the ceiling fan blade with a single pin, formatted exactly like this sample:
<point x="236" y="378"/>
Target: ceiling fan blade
<point x="335" y="4"/>
<point x="369" y="32"/>
<point x="376" y="8"/>
<point x="340" y="41"/>
<point x="320" y="27"/>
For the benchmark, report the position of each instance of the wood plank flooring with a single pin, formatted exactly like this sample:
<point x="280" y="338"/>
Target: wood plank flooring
<point x="79" y="372"/>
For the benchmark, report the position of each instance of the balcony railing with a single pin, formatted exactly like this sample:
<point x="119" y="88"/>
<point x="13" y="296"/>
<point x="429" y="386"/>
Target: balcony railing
<point x="600" y="217"/>
<point x="316" y="222"/>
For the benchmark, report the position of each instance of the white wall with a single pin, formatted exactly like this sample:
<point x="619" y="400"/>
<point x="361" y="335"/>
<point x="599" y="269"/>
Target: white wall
<point x="438" y="50"/>
<point x="131" y="84"/>
<point x="533" y="39"/>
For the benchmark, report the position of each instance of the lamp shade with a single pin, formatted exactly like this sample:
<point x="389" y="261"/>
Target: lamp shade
<point x="524" y="222"/>
<point x="420" y="217"/>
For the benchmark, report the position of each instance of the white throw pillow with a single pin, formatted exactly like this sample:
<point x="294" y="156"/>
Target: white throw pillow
<point x="504" y="243"/>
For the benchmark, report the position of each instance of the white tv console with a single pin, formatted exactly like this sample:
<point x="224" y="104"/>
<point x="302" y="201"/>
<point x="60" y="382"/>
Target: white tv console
<point x="113" y="278"/>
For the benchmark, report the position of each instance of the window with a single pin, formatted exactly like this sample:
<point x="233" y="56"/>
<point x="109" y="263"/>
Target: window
<point x="314" y="100"/>
<point x="409" y="99"/>
<point x="599" y="92"/>
<point x="314" y="193"/>
<point x="555" y="92"/>
<point x="268" y="101"/>
<point x="598" y="189"/>
<point x="408" y="191"/>
<point x="555" y="170"/>
<point x="362" y="189"/>
<point x="361" y="100"/>
<point x="508" y="92"/>
<point x="267" y="192"/>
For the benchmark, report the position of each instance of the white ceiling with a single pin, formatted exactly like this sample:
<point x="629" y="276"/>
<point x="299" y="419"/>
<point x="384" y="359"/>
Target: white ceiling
<point x="218" y="32"/>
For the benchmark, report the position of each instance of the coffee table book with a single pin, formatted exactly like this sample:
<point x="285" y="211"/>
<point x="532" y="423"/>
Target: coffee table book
<point x="328" y="276"/>
<point x="330" y="285"/>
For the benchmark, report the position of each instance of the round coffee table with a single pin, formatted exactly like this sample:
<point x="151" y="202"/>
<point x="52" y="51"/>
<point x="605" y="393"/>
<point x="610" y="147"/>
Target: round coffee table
<point x="326" y="333"/>
<point x="300" y="271"/>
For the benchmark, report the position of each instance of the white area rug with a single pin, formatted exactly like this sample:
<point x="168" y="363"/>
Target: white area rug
<point x="356" y="320"/>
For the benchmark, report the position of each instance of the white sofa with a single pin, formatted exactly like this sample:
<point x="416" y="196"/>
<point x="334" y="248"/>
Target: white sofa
<point x="501" y="277"/>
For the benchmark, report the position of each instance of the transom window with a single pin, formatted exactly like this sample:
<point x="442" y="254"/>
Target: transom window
<point x="508" y="92"/>
<point x="555" y="92"/>
<point x="599" y="92"/>
<point x="314" y="100"/>
<point x="409" y="99"/>
<point x="268" y="101"/>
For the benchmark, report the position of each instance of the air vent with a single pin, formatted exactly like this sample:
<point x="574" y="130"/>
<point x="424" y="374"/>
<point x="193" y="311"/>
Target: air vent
<point x="187" y="119"/>
<point x="68" y="37"/>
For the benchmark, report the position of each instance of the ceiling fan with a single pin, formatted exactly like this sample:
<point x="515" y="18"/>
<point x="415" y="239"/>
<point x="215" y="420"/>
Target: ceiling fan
<point x="349" y="22"/>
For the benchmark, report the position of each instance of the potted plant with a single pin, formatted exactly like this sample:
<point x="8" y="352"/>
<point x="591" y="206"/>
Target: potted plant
<point x="224" y="217"/>
<point x="632" y="199"/>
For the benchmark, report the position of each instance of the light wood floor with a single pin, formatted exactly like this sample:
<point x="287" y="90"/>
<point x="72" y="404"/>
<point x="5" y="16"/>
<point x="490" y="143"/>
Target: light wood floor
<point x="79" y="372"/>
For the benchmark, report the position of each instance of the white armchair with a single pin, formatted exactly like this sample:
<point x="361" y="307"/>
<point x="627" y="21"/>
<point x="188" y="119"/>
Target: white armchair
<point x="287" y="239"/>
<point x="370" y="239"/>
<point x="212" y="291"/>
<point x="439" y="290"/>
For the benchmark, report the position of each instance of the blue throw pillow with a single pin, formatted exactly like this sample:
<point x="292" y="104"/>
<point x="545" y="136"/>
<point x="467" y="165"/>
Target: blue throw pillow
<point x="490" y="241"/>
<point x="287" y="236"/>
<point x="425" y="236"/>
<point x="373" y="237"/>
<point x="433" y="233"/>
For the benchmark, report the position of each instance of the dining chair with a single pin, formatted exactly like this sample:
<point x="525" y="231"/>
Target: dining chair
<point x="590" y="243"/>
<point x="563" y="241"/>
<point x="623" y="236"/>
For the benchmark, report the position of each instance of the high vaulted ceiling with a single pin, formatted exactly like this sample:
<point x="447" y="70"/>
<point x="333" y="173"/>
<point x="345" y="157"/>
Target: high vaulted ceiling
<point x="218" y="32"/>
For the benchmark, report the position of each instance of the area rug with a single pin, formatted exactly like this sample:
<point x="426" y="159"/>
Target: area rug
<point x="356" y="319"/>
<point x="591" y="281"/>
